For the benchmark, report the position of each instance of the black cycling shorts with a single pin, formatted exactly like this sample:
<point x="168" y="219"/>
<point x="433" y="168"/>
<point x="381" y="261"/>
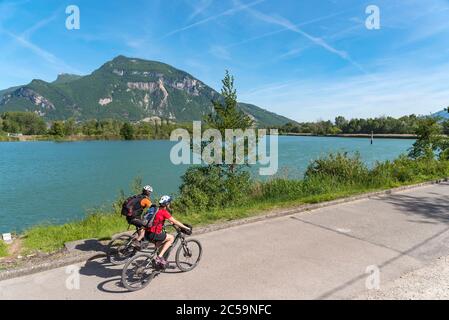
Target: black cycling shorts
<point x="155" y="237"/>
<point x="136" y="222"/>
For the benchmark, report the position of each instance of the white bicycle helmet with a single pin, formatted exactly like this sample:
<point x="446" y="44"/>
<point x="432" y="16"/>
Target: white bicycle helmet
<point x="148" y="188"/>
<point x="165" y="200"/>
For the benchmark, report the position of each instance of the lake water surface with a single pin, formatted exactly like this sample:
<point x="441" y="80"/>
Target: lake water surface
<point x="50" y="182"/>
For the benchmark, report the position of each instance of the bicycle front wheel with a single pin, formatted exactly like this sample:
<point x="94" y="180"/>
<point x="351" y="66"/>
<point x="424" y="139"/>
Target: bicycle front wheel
<point x="188" y="255"/>
<point x="138" y="272"/>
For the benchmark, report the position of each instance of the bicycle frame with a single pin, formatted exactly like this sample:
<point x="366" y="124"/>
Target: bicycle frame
<point x="179" y="236"/>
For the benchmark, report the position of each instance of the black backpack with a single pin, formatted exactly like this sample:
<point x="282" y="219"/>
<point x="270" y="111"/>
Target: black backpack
<point x="131" y="206"/>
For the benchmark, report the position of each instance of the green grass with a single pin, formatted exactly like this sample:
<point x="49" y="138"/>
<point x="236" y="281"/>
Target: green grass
<point x="3" y="249"/>
<point x="48" y="238"/>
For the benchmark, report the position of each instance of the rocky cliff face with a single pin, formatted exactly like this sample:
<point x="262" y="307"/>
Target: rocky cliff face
<point x="28" y="95"/>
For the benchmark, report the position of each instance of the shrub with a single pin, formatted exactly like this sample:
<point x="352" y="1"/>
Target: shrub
<point x="340" y="166"/>
<point x="406" y="170"/>
<point x="207" y="187"/>
<point x="278" y="188"/>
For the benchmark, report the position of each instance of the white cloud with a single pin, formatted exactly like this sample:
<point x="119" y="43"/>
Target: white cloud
<point x="49" y="57"/>
<point x="236" y="8"/>
<point x="271" y="33"/>
<point x="199" y="7"/>
<point x="287" y="24"/>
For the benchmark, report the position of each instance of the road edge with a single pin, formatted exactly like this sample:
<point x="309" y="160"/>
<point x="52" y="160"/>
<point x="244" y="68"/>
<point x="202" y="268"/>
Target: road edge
<point x="70" y="258"/>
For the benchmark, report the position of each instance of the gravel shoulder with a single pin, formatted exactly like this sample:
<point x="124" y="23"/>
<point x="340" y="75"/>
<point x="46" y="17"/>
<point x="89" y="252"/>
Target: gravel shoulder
<point x="428" y="283"/>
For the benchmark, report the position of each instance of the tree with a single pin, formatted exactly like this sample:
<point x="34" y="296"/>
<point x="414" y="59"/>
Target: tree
<point x="218" y="185"/>
<point x="429" y="139"/>
<point x="88" y="128"/>
<point x="341" y="122"/>
<point x="27" y="123"/>
<point x="127" y="131"/>
<point x="226" y="115"/>
<point x="70" y="127"/>
<point x="57" y="129"/>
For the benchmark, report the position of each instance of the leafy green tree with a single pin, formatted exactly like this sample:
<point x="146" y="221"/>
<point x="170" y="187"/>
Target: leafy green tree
<point x="88" y="128"/>
<point x="215" y="185"/>
<point x="428" y="141"/>
<point x="226" y="115"/>
<point x="406" y="124"/>
<point x="57" y="129"/>
<point x="70" y="127"/>
<point x="445" y="125"/>
<point x="341" y="122"/>
<point x="127" y="131"/>
<point x="27" y="123"/>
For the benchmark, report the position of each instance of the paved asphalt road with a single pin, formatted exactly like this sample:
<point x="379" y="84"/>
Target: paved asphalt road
<point x="323" y="254"/>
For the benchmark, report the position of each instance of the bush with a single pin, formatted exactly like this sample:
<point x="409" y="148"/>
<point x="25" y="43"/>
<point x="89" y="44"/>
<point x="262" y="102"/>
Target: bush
<point x="207" y="187"/>
<point x="406" y="170"/>
<point x="278" y="188"/>
<point x="319" y="185"/>
<point x="339" y="166"/>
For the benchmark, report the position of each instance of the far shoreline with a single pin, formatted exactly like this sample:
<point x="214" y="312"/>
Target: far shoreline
<point x="355" y="135"/>
<point x="79" y="138"/>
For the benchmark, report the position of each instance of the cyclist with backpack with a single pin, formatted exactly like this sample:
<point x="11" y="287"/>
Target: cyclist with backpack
<point x="155" y="231"/>
<point x="134" y="207"/>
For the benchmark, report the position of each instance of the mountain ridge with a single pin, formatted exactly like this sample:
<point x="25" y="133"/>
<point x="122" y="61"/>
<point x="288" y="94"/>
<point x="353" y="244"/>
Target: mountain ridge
<point x="128" y="89"/>
<point x="441" y="114"/>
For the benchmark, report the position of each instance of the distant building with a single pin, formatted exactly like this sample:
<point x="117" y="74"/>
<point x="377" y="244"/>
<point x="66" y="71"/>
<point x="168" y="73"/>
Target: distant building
<point x="14" y="135"/>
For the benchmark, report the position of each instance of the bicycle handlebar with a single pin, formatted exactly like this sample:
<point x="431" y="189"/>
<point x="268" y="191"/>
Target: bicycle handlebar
<point x="178" y="229"/>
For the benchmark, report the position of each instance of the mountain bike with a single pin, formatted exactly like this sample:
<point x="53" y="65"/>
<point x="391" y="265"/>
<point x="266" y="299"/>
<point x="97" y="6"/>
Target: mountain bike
<point x="142" y="268"/>
<point x="121" y="248"/>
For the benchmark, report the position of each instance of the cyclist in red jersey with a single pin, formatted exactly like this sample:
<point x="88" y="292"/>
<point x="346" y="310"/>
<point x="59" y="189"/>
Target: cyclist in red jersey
<point x="156" y="232"/>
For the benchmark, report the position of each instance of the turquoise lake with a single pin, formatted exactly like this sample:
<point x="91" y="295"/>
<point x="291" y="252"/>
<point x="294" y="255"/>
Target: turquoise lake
<point x="54" y="182"/>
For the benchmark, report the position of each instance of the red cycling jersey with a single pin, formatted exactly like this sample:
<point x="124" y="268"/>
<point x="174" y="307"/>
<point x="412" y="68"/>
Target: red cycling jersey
<point x="159" y="219"/>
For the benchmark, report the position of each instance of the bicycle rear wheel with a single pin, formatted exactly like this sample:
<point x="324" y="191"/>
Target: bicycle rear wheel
<point x="120" y="250"/>
<point x="188" y="255"/>
<point x="138" y="272"/>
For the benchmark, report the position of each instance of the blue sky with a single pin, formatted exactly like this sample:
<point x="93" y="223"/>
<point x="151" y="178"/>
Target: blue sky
<point x="307" y="60"/>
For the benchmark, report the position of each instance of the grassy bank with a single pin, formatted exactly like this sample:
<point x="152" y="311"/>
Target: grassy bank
<point x="329" y="178"/>
<point x="102" y="225"/>
<point x="48" y="238"/>
<point x="3" y="249"/>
